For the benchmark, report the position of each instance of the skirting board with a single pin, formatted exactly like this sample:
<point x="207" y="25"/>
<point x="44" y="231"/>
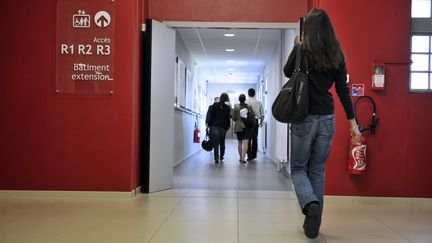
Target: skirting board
<point x="68" y="194"/>
<point x="345" y="200"/>
<point x="407" y="201"/>
<point x="185" y="158"/>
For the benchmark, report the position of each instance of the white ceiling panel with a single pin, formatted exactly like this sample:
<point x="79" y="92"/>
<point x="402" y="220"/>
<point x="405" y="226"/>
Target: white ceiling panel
<point x="253" y="49"/>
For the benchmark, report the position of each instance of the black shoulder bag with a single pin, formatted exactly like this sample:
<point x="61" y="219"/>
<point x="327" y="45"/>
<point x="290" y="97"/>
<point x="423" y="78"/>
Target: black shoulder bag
<point x="292" y="102"/>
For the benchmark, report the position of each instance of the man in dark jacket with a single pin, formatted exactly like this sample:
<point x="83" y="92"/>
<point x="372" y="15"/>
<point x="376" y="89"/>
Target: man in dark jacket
<point x="216" y="100"/>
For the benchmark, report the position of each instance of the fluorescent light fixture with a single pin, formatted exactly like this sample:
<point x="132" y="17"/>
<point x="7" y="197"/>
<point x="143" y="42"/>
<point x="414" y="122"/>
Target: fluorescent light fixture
<point x="229" y="50"/>
<point x="230" y="61"/>
<point x="230" y="69"/>
<point x="229" y="35"/>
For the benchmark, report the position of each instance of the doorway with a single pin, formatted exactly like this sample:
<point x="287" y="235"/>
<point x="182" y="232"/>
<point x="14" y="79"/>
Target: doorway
<point x="203" y="69"/>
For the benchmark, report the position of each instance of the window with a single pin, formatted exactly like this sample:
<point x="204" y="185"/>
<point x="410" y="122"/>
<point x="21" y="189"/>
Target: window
<point x="421" y="46"/>
<point x="420" y="8"/>
<point x="421" y="65"/>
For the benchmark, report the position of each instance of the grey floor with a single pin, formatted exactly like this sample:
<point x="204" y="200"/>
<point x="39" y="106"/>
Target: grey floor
<point x="200" y="172"/>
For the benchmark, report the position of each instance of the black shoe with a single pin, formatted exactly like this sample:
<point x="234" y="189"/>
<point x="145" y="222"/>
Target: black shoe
<point x="222" y="158"/>
<point x="311" y="227"/>
<point x="216" y="161"/>
<point x="251" y="158"/>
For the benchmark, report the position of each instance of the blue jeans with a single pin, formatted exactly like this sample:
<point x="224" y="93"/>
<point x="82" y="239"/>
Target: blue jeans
<point x="217" y="134"/>
<point x="310" y="146"/>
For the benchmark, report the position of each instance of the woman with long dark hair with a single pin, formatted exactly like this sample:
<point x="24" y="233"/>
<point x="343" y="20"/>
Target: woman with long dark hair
<point x="312" y="138"/>
<point x="219" y="121"/>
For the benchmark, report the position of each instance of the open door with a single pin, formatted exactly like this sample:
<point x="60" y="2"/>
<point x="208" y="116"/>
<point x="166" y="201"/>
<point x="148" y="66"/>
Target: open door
<point x="157" y="136"/>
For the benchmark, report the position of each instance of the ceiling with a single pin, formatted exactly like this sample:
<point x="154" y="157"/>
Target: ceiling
<point x="253" y="49"/>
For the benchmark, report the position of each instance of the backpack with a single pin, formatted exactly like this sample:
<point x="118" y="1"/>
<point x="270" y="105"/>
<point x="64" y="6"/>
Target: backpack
<point x="250" y="121"/>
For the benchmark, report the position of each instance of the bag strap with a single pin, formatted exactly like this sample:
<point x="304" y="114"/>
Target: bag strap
<point x="298" y="60"/>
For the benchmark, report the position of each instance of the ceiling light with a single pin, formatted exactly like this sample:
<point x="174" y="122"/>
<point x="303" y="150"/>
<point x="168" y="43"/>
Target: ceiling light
<point x="229" y="35"/>
<point x="230" y="61"/>
<point x="230" y="69"/>
<point x="230" y="50"/>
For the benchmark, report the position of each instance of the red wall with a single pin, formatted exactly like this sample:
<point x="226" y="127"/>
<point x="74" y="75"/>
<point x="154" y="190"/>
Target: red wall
<point x="55" y="142"/>
<point x="399" y="154"/>
<point x="227" y="10"/>
<point x="51" y="142"/>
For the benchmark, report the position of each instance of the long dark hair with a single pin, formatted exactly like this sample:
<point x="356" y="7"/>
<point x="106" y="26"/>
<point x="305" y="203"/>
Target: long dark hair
<point x="320" y="41"/>
<point x="222" y="99"/>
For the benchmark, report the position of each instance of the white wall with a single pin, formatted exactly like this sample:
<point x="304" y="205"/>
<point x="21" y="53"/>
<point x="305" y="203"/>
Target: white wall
<point x="184" y="123"/>
<point x="287" y="46"/>
<point x="277" y="133"/>
<point x="233" y="91"/>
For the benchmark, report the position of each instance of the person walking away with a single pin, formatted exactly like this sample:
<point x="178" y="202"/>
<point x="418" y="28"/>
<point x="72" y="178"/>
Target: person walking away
<point x="240" y="115"/>
<point x="219" y="123"/>
<point x="209" y="110"/>
<point x="259" y="116"/>
<point x="312" y="138"/>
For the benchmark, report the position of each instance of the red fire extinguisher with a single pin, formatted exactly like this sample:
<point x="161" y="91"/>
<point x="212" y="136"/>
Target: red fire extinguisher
<point x="357" y="157"/>
<point x="196" y="137"/>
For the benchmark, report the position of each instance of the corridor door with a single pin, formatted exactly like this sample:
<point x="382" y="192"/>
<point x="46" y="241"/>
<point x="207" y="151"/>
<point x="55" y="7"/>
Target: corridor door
<point x="157" y="137"/>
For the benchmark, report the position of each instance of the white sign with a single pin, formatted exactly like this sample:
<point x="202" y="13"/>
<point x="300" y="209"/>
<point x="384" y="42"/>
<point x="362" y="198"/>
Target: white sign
<point x="81" y="20"/>
<point x="102" y="19"/>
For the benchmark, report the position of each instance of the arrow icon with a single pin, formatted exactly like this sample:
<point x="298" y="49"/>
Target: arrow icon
<point x="102" y="19"/>
<point x="102" y="22"/>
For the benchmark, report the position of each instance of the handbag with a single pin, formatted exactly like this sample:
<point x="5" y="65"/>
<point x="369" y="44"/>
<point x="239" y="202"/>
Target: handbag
<point x="207" y="143"/>
<point x="292" y="102"/>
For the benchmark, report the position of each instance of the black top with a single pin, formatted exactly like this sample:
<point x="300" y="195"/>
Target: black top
<point x="209" y="110"/>
<point x="320" y="99"/>
<point x="219" y="115"/>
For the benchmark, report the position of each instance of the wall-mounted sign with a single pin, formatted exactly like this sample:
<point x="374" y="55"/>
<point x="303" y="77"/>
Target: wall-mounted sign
<point x="378" y="76"/>
<point x="85" y="47"/>
<point x="357" y="90"/>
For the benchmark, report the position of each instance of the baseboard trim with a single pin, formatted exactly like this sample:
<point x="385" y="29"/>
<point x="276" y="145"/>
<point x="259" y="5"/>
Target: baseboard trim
<point x="407" y="201"/>
<point x="185" y="158"/>
<point x="68" y="194"/>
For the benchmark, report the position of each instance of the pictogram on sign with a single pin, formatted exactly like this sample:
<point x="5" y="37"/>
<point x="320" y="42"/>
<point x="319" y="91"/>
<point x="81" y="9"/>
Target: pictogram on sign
<point x="102" y="19"/>
<point x="81" y="20"/>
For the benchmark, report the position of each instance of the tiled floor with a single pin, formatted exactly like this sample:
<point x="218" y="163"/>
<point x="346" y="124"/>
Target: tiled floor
<point x="224" y="203"/>
<point x="200" y="172"/>
<point x="201" y="216"/>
